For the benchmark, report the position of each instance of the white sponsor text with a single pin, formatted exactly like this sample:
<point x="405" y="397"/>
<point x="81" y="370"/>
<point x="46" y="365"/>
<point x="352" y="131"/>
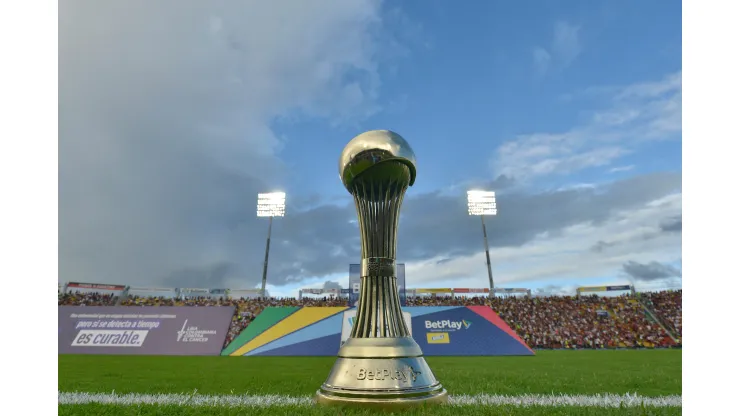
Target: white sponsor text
<point x="109" y="338"/>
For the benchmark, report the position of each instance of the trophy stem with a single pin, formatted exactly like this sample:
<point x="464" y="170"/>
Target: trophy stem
<point x="378" y="210"/>
<point x="379" y="309"/>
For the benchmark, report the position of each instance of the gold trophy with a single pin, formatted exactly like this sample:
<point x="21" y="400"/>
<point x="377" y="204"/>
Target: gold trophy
<point x="380" y="364"/>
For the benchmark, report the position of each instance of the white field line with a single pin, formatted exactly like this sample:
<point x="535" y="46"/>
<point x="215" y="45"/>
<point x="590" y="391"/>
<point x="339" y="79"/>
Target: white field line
<point x="232" y="400"/>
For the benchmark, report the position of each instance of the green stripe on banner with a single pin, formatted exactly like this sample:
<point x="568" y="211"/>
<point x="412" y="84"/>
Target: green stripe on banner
<point x="265" y="320"/>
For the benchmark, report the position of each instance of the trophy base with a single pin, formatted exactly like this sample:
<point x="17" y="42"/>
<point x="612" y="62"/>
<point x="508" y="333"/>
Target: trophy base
<point x="392" y="375"/>
<point x="395" y="403"/>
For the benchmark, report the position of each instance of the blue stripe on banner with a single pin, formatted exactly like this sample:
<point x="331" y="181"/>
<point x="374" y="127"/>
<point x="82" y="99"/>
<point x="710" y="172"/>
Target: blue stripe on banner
<point x="329" y="326"/>
<point x="324" y="346"/>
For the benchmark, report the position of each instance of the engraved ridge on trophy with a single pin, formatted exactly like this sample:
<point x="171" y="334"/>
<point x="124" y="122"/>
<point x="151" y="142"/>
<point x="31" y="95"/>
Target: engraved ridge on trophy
<point x="380" y="364"/>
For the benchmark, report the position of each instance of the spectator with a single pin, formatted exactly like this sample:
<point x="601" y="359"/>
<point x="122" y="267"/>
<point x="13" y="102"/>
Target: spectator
<point x="86" y="299"/>
<point x="667" y="305"/>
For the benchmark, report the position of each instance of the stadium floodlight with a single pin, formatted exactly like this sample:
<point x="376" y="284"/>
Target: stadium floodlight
<point x="484" y="203"/>
<point x="481" y="203"/>
<point x="269" y="205"/>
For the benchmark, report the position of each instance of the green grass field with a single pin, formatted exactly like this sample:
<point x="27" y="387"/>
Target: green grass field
<point x="654" y="373"/>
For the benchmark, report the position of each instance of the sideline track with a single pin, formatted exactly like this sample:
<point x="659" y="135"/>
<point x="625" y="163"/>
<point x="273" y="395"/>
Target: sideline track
<point x="232" y="400"/>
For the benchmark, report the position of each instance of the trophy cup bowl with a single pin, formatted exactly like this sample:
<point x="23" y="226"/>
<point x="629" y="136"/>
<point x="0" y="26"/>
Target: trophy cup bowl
<point x="380" y="365"/>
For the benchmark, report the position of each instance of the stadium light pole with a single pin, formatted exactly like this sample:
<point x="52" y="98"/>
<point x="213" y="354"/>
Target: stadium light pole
<point x="269" y="205"/>
<point x="483" y="203"/>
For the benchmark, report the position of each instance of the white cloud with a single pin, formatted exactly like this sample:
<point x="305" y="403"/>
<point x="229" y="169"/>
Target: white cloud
<point x="621" y="168"/>
<point x="651" y="89"/>
<point x="542" y="60"/>
<point x="165" y="123"/>
<point x="564" y="49"/>
<point x="581" y="251"/>
<point x="566" y="44"/>
<point x="313" y="282"/>
<point x="635" y="114"/>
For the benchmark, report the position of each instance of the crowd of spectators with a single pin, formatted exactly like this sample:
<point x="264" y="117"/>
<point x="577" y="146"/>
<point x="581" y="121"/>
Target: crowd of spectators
<point x="667" y="305"/>
<point x="86" y="299"/>
<point x="586" y="322"/>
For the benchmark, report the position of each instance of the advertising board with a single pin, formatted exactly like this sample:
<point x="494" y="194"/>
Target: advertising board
<point x="134" y="330"/>
<point x="321" y="331"/>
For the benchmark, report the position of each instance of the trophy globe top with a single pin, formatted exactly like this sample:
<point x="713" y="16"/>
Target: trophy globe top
<point x="369" y="154"/>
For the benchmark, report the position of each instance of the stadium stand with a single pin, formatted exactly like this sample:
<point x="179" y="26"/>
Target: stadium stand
<point x="87" y="299"/>
<point x="551" y="322"/>
<point x="667" y="305"/>
<point x="585" y="322"/>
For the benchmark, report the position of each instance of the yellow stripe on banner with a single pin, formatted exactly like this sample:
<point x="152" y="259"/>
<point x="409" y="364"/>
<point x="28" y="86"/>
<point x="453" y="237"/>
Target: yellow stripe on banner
<point x="298" y="320"/>
<point x="440" y="290"/>
<point x="592" y="289"/>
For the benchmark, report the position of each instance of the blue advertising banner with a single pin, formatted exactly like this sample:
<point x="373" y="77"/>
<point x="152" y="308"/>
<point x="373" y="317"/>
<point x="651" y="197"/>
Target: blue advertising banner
<point x="474" y="330"/>
<point x="440" y="331"/>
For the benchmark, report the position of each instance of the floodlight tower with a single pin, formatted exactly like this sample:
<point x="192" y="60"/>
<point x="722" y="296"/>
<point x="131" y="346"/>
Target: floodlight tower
<point x="483" y="203"/>
<point x="269" y="205"/>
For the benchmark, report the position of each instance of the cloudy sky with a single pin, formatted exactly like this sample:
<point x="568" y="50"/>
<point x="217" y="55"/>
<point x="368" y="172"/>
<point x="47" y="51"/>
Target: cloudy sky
<point x="173" y="115"/>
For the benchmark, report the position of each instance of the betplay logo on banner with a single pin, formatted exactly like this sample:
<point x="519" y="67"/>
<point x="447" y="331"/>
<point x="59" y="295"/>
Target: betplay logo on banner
<point x="349" y="320"/>
<point x="447" y="325"/>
